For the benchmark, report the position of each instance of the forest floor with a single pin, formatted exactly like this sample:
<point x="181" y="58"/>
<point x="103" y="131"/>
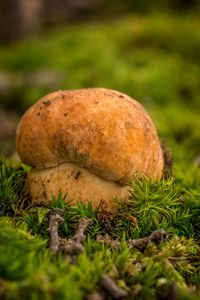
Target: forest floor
<point x="156" y="60"/>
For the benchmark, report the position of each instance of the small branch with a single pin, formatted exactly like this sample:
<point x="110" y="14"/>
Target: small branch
<point x="156" y="237"/>
<point x="71" y="247"/>
<point x="79" y="236"/>
<point x="96" y="296"/>
<point x="107" y="240"/>
<point x="109" y="285"/>
<point x="55" y="218"/>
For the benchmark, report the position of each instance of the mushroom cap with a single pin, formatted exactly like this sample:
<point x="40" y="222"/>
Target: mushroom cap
<point x="102" y="130"/>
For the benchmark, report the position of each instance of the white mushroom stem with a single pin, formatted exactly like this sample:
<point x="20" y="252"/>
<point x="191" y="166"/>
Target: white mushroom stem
<point x="78" y="183"/>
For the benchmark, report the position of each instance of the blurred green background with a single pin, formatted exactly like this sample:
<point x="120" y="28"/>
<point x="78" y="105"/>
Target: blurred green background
<point x="149" y="50"/>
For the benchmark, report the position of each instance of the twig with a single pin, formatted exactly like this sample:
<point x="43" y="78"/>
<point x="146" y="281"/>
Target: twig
<point x="72" y="249"/>
<point x="109" y="285"/>
<point x="156" y="237"/>
<point x="96" y="296"/>
<point x="79" y="236"/>
<point x="55" y="217"/>
<point x="73" y="246"/>
<point x="107" y="240"/>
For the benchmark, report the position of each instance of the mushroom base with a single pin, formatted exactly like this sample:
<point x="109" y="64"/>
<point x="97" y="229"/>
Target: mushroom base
<point x="78" y="183"/>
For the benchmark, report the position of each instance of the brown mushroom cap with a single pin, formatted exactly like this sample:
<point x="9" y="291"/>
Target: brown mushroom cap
<point x="102" y="130"/>
<point x="88" y="143"/>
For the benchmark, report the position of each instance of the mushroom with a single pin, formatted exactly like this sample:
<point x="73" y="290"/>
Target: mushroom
<point x="89" y="143"/>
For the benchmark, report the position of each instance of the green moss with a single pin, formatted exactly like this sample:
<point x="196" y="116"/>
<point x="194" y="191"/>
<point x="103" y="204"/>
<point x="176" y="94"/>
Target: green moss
<point x="12" y="187"/>
<point x="28" y="270"/>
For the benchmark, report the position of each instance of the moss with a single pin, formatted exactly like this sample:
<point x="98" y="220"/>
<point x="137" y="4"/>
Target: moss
<point x="12" y="187"/>
<point x="27" y="269"/>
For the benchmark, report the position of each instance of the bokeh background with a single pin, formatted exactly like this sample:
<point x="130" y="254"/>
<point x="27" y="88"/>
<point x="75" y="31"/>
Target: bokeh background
<point x="147" y="49"/>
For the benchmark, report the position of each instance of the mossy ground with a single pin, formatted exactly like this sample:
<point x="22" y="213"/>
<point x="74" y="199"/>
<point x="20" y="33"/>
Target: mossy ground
<point x="156" y="60"/>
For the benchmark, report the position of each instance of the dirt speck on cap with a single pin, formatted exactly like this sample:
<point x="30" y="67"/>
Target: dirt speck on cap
<point x="77" y="175"/>
<point x="48" y="102"/>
